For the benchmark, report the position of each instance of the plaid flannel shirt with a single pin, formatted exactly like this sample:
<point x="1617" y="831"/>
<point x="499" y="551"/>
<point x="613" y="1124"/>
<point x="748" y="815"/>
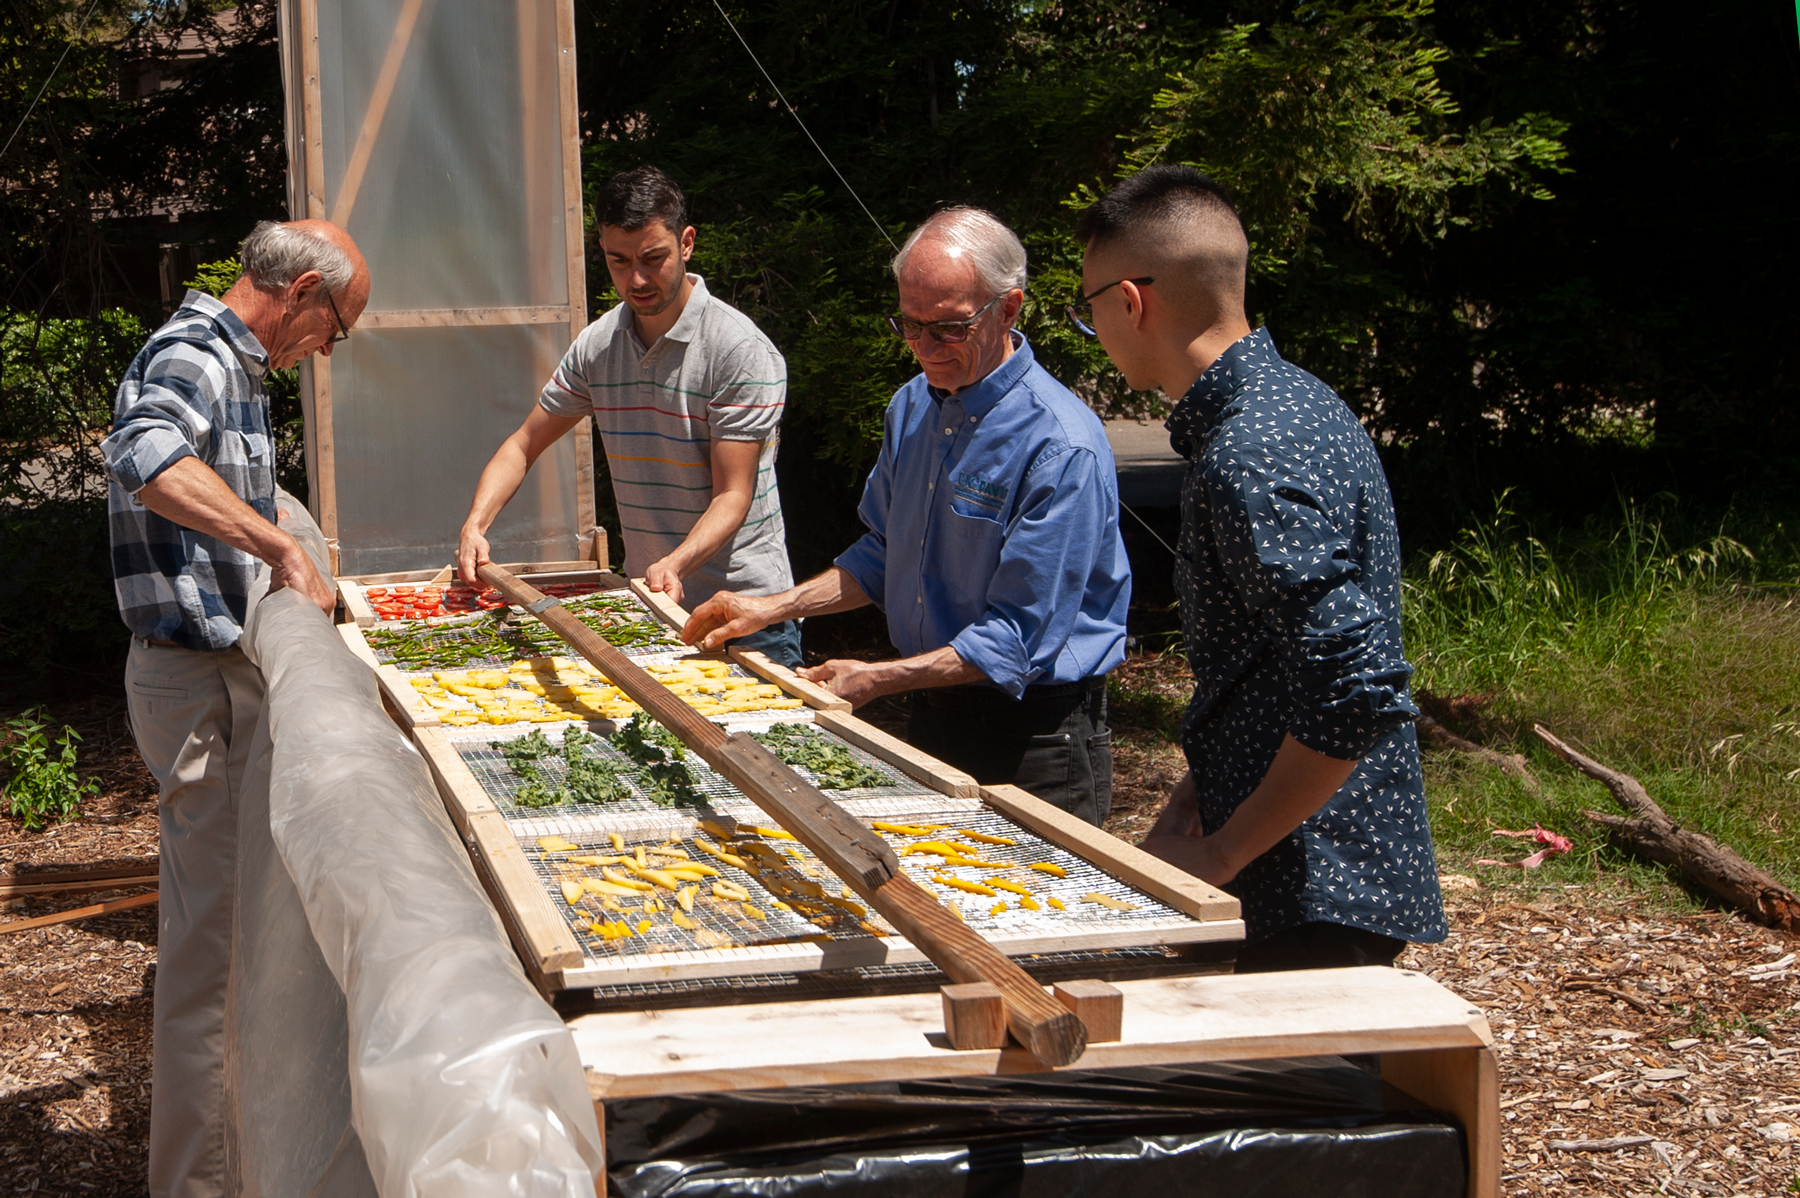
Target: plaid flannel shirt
<point x="194" y="390"/>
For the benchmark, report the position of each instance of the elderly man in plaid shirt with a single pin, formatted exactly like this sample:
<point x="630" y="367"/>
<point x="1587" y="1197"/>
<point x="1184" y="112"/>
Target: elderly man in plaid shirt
<point x="192" y="506"/>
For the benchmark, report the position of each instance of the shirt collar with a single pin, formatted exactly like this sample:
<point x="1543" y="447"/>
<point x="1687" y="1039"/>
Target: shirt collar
<point x="242" y="340"/>
<point x="687" y="325"/>
<point x="980" y="397"/>
<point x="1201" y="409"/>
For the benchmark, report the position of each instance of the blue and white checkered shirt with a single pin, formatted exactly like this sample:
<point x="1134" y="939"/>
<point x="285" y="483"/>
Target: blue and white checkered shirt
<point x="194" y="390"/>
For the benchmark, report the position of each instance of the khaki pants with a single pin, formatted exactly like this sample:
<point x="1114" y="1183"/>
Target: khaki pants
<point x="194" y="716"/>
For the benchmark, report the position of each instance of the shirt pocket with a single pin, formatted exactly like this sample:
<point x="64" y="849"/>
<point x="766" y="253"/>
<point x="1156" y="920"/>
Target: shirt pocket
<point x="978" y="499"/>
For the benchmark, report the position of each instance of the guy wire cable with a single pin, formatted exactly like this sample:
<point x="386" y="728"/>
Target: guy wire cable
<point x="32" y="107"/>
<point x="859" y="203"/>
<point x="802" y="124"/>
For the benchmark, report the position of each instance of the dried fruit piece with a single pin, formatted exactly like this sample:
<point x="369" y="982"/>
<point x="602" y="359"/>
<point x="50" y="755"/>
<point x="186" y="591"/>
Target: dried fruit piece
<point x="729" y="890"/>
<point x="1107" y="900"/>
<point x="1051" y="868"/>
<point x="685" y="896"/>
<point x="572" y="891"/>
<point x="1003" y="884"/>
<point x="682" y="921"/>
<point x="984" y="838"/>
<point x="1030" y="904"/>
<point x="1056" y="902"/>
<point x="969" y="887"/>
<point x="907" y="829"/>
<point x="618" y="841"/>
<point x="555" y="844"/>
<point x="998" y="908"/>
<point x="771" y="833"/>
<point x="752" y="912"/>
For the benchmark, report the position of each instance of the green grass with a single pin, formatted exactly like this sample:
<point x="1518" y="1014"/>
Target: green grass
<point x="1674" y="659"/>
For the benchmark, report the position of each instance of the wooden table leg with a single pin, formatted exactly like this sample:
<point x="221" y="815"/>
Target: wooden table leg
<point x="1464" y="1082"/>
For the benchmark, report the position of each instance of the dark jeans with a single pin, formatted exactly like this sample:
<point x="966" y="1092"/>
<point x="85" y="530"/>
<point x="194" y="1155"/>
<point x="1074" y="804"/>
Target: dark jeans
<point x="1054" y="742"/>
<point x="780" y="643"/>
<point x="1318" y="946"/>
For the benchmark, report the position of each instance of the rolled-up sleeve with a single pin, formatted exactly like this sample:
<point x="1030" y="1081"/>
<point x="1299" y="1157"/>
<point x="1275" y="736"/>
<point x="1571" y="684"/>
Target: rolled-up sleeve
<point x="1297" y="571"/>
<point x="1035" y="596"/>
<point x="169" y="418"/>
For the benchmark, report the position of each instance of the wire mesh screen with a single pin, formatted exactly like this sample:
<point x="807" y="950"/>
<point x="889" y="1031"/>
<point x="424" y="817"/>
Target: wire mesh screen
<point x="999" y="878"/>
<point x="498" y="638"/>
<point x="512" y="788"/>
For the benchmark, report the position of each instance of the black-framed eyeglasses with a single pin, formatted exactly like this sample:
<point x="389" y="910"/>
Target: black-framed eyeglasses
<point x="950" y="332"/>
<point x="343" y="333"/>
<point x="1081" y="312"/>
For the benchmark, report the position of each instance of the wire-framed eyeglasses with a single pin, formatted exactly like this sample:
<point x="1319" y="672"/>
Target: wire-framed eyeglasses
<point x="343" y="333"/>
<point x="1081" y="312"/>
<point x="950" y="332"/>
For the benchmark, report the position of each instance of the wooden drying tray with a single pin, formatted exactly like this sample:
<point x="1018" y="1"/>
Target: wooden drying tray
<point x="1433" y="1045"/>
<point x="556" y="961"/>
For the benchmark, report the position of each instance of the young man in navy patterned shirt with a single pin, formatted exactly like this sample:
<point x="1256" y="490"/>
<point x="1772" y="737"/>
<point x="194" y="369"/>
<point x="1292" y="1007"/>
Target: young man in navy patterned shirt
<point x="1303" y="796"/>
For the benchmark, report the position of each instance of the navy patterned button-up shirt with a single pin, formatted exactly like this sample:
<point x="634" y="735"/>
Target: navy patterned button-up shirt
<point x="1289" y="578"/>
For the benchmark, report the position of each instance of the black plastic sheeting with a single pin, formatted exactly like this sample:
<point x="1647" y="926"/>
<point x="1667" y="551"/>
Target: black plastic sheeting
<point x="1273" y="1129"/>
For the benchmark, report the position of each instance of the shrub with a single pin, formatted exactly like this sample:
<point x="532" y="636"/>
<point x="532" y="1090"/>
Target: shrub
<point x="44" y="787"/>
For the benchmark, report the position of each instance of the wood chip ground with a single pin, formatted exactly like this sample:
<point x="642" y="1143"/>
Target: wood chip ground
<point x="1638" y="1055"/>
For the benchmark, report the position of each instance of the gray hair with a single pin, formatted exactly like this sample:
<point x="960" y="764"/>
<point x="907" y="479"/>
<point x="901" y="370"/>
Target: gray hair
<point x="274" y="255"/>
<point x="993" y="249"/>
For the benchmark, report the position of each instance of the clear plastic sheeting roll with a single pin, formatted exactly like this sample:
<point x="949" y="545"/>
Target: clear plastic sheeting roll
<point x="383" y="1038"/>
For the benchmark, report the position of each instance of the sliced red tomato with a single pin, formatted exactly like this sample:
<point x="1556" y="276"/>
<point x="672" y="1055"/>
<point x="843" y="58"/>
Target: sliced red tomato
<point x="376" y="592"/>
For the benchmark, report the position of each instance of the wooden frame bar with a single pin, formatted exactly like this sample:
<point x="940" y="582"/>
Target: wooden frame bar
<point x="437" y="318"/>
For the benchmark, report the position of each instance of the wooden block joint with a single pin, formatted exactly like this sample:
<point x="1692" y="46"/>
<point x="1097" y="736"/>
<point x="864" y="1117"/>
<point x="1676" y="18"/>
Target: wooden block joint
<point x="974" y="1015"/>
<point x="1100" y="1007"/>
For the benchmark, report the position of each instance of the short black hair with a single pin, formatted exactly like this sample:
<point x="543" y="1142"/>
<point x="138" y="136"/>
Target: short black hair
<point x="1155" y="193"/>
<point x="632" y="199"/>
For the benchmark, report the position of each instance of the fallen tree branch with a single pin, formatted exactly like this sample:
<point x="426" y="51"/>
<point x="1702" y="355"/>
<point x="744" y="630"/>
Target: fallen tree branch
<point x="1653" y="834"/>
<point x="1512" y="763"/>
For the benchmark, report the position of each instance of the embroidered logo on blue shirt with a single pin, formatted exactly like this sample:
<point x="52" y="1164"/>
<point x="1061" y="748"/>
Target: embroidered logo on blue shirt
<point x="985" y="496"/>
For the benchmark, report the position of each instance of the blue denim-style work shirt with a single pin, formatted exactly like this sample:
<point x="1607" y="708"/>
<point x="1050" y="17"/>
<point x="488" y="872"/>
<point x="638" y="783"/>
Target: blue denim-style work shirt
<point x="1288" y="572"/>
<point x="993" y="517"/>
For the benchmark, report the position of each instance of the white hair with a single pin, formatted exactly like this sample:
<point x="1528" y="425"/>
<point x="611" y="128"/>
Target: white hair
<point x="274" y="255"/>
<point x="993" y="249"/>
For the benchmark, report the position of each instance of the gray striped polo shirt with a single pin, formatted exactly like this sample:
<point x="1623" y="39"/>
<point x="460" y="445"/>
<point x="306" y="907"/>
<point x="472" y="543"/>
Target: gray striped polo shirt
<point x="713" y="375"/>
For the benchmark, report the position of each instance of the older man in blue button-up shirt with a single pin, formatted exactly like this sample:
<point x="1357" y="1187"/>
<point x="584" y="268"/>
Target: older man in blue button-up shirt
<point x="993" y="542"/>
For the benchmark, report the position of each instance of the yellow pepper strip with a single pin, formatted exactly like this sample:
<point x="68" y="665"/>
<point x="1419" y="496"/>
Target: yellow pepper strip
<point x="572" y="891"/>
<point x="730" y="890"/>
<point x="685" y="896"/>
<point x="1106" y="900"/>
<point x="618" y="879"/>
<point x="984" y="838"/>
<point x="771" y="833"/>
<point x="906" y="829"/>
<point x="997" y="909"/>
<point x="1046" y="867"/>
<point x="1056" y="902"/>
<point x="1030" y="904"/>
<point x="682" y="921"/>
<point x="555" y="844"/>
<point x="721" y="854"/>
<point x="752" y="912"/>
<point x="661" y="877"/>
<point x="1003" y="884"/>
<point x="596" y="886"/>
<point x="968" y="887"/>
<point x="618" y="841"/>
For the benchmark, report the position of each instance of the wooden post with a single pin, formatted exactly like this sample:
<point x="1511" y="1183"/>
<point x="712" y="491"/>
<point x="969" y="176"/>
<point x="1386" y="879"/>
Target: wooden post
<point x="855" y="853"/>
<point x="1464" y="1082"/>
<point x="1100" y="1007"/>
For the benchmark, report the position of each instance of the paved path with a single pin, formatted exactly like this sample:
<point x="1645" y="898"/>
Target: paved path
<point x="1149" y="471"/>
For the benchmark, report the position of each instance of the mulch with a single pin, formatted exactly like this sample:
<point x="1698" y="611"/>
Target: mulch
<point x="1638" y="1054"/>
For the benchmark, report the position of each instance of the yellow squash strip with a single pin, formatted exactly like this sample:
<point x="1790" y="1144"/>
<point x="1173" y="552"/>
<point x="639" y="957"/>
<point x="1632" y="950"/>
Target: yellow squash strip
<point x="967" y="887"/>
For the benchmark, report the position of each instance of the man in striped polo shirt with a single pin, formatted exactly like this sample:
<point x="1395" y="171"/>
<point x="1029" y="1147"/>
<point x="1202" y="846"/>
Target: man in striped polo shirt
<point x="687" y="393"/>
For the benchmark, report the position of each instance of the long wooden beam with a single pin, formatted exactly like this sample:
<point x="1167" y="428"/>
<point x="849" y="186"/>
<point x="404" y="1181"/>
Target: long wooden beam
<point x="855" y="853"/>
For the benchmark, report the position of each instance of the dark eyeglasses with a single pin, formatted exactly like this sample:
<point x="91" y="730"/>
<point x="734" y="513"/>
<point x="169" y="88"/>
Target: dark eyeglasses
<point x="343" y="333"/>
<point x="1081" y="312"/>
<point x="950" y="332"/>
